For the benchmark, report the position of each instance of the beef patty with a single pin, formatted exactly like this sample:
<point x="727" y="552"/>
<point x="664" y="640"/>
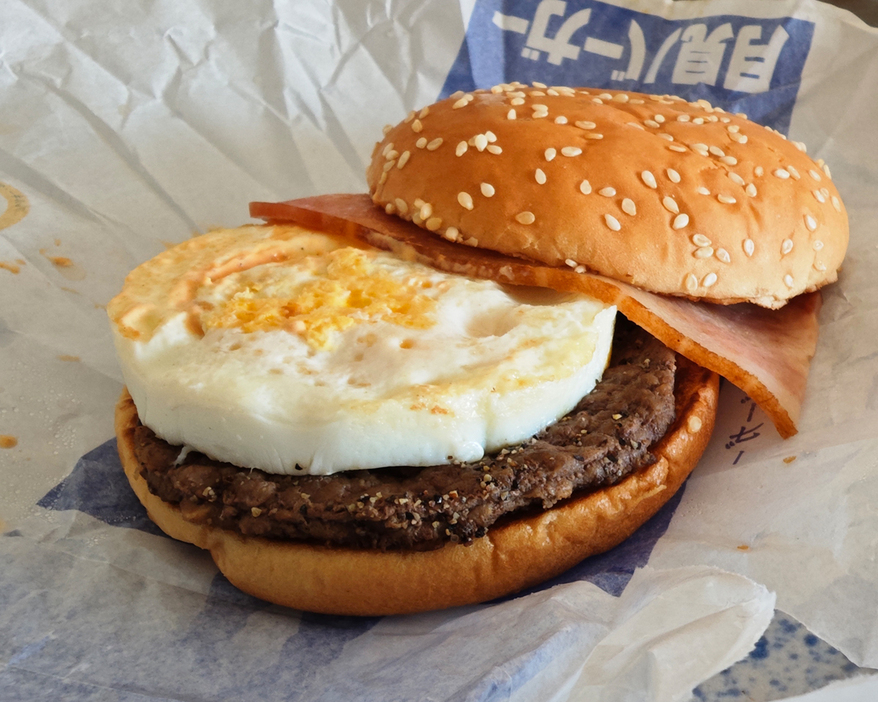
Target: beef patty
<point x="607" y="436"/>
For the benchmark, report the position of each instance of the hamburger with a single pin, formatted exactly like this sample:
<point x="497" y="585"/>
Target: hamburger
<point x="424" y="397"/>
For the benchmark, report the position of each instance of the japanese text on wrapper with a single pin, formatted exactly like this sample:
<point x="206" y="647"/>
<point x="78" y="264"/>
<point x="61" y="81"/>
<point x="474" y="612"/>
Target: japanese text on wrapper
<point x="700" y="55"/>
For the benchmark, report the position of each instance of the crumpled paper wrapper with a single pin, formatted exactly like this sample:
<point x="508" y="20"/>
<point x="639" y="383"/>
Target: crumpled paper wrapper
<point x="124" y="130"/>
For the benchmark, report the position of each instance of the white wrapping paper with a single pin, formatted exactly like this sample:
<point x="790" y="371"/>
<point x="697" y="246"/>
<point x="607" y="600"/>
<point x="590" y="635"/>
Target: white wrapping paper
<point x="124" y="129"/>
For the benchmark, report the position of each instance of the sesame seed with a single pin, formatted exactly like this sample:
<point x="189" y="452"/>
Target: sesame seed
<point x="636" y="126"/>
<point x="494" y="149"/>
<point x="729" y="160"/>
<point x="434" y="223"/>
<point x="390" y="208"/>
<point x="570" y="262"/>
<point x="585" y="187"/>
<point x="814" y="174"/>
<point x="733" y="128"/>
<point x="391" y="155"/>
<point x="628" y="207"/>
<point x="621" y="97"/>
<point x="683" y="118"/>
<point x="597" y="101"/>
<point x="560" y="120"/>
<point x="538" y="85"/>
<point x="583" y="124"/>
<point x="673" y="176"/>
<point x="649" y="179"/>
<point x="820" y="266"/>
<point x="735" y="178"/>
<point x="716" y="151"/>
<point x="826" y="171"/>
<point x="435" y="144"/>
<point x="820" y="197"/>
<point x="421" y="143"/>
<point x="451" y="233"/>
<point x="387" y="149"/>
<point x="463" y="102"/>
<point x="810" y="222"/>
<point x="594" y="135"/>
<point x="404" y="159"/>
<point x="749" y="246"/>
<point x="788" y="280"/>
<point x="401" y="205"/>
<point x="425" y="211"/>
<point x="680" y="221"/>
<point x="516" y="101"/>
<point x="786" y="246"/>
<point x="793" y="172"/>
<point x="480" y="142"/>
<point x="703" y="252"/>
<point x="465" y="200"/>
<point x="659" y="118"/>
<point x="836" y="204"/>
<point x="700" y="240"/>
<point x="525" y="217"/>
<point x="487" y="189"/>
<point x="758" y="171"/>
<point x="750" y="190"/>
<point x="461" y="148"/>
<point x="678" y="148"/>
<point x="723" y="256"/>
<point x="817" y="244"/>
<point x="801" y="146"/>
<point x="726" y="199"/>
<point x="540" y="176"/>
<point x="552" y="91"/>
<point x="612" y="222"/>
<point x="409" y="117"/>
<point x="383" y="179"/>
<point x="709" y="280"/>
<point x="782" y="173"/>
<point x="386" y="129"/>
<point x="670" y="204"/>
<point x="456" y="94"/>
<point x="700" y="148"/>
<point x="651" y="123"/>
<point x="550" y="153"/>
<point x="607" y="192"/>
<point x="389" y="165"/>
<point x="417" y="126"/>
<point x="702" y="190"/>
<point x="491" y="136"/>
<point x="571" y="151"/>
<point x="691" y="282"/>
<point x="511" y="114"/>
<point x="698" y="120"/>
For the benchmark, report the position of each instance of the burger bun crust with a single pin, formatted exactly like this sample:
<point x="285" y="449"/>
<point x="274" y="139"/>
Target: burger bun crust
<point x="673" y="197"/>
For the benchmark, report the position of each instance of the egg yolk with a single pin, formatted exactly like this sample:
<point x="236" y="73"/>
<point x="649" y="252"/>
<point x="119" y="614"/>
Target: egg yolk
<point x="344" y="289"/>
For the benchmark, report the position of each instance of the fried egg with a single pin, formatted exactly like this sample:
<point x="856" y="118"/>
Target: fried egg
<point x="300" y="352"/>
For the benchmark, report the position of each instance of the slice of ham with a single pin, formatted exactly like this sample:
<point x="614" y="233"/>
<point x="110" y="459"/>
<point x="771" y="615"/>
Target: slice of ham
<point x="764" y="352"/>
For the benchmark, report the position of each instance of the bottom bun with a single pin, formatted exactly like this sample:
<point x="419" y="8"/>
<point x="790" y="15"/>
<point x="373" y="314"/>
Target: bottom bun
<point x="517" y="554"/>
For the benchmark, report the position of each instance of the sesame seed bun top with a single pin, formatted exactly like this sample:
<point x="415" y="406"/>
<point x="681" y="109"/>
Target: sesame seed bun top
<point x="674" y="197"/>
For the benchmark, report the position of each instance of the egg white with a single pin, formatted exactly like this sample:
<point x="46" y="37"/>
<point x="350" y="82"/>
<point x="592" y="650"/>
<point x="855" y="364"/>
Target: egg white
<point x="481" y="366"/>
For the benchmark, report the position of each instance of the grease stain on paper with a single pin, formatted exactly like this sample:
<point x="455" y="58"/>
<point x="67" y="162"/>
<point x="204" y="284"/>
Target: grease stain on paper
<point x="7" y="441"/>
